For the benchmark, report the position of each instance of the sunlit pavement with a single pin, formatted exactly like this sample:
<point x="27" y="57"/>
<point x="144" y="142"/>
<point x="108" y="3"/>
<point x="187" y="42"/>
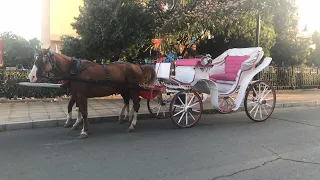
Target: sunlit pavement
<point x="286" y="146"/>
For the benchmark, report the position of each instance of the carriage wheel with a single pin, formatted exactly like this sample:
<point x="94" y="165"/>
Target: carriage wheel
<point x="226" y="104"/>
<point x="260" y="101"/>
<point x="186" y="108"/>
<point x="159" y="106"/>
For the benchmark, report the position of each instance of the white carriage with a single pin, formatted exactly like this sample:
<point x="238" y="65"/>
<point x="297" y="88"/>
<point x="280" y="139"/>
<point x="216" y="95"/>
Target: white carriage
<point x="225" y="80"/>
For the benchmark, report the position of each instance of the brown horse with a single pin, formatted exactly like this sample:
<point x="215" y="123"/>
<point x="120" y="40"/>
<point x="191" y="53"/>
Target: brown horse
<point x="88" y="80"/>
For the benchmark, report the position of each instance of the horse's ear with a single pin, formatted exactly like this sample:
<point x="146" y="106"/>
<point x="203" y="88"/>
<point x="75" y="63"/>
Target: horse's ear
<point x="48" y="49"/>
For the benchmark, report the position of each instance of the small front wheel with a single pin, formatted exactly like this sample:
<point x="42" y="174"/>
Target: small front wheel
<point x="260" y="101"/>
<point x="186" y="108"/>
<point x="159" y="106"/>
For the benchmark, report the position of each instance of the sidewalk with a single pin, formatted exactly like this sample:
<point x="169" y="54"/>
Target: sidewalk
<point x="43" y="113"/>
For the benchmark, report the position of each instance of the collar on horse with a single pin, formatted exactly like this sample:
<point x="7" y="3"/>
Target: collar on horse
<point x="52" y="59"/>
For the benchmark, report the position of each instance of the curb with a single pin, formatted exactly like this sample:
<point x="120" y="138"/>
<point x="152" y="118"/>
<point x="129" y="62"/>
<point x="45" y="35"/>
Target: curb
<point x="46" y="123"/>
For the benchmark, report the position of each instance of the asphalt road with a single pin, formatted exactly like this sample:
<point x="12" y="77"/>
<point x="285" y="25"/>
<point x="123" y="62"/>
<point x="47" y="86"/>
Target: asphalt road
<point x="224" y="147"/>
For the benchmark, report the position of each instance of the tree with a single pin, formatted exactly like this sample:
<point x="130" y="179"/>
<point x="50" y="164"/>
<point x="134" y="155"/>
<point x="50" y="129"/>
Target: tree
<point x="72" y="47"/>
<point x="315" y="54"/>
<point x="181" y="22"/>
<point x="289" y="50"/>
<point x="17" y="51"/>
<point x="114" y="29"/>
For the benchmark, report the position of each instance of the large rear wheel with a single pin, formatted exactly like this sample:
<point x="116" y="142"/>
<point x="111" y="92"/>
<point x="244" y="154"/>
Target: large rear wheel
<point x="260" y="101"/>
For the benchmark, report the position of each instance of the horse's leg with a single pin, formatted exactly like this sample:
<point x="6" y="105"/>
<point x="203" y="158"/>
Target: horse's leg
<point x="79" y="119"/>
<point x="125" y="110"/>
<point x="135" y="109"/>
<point x="72" y="100"/>
<point x="83" y="108"/>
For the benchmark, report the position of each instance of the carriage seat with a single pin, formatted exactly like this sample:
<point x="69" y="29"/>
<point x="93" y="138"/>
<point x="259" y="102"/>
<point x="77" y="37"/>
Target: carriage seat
<point x="190" y="62"/>
<point x="232" y="66"/>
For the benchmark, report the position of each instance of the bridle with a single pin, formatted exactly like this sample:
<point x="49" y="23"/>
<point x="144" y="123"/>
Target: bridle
<point x="41" y="60"/>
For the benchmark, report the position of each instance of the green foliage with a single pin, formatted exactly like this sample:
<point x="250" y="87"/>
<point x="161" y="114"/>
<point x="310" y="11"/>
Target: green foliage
<point x="289" y="50"/>
<point x="239" y="32"/>
<point x="185" y="20"/>
<point x="315" y="54"/>
<point x="72" y="47"/>
<point x="17" y="50"/>
<point x="113" y="29"/>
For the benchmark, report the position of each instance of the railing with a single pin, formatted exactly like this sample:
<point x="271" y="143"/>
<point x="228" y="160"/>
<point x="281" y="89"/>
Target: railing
<point x="291" y="77"/>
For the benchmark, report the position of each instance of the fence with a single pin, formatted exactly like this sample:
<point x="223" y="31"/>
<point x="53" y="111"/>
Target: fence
<point x="291" y="77"/>
<point x="280" y="78"/>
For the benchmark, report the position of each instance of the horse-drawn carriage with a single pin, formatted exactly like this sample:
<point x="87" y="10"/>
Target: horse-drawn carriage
<point x="222" y="78"/>
<point x="191" y="81"/>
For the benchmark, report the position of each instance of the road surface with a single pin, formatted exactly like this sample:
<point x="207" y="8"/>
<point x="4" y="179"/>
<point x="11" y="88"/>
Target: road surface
<point x="224" y="147"/>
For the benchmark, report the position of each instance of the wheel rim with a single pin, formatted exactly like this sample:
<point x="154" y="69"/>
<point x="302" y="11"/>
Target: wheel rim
<point x="186" y="109"/>
<point x="159" y="106"/>
<point x="260" y="101"/>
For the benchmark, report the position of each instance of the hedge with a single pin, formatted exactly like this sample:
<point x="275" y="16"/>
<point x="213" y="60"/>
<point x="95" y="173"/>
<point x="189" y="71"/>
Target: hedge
<point x="10" y="90"/>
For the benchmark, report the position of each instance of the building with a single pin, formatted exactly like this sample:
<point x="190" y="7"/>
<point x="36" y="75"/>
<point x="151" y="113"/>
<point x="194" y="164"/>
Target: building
<point x="57" y="16"/>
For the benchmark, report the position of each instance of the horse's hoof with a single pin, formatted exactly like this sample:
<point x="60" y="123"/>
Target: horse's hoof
<point x="67" y="125"/>
<point x="74" y="128"/>
<point x="130" y="130"/>
<point x="83" y="136"/>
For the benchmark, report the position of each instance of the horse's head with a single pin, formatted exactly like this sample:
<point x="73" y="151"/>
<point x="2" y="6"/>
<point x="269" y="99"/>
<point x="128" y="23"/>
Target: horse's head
<point x="42" y="64"/>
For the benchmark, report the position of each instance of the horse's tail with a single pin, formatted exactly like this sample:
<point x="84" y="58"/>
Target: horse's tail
<point x="149" y="75"/>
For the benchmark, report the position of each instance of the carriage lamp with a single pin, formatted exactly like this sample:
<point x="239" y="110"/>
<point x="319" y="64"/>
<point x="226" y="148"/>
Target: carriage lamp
<point x="205" y="60"/>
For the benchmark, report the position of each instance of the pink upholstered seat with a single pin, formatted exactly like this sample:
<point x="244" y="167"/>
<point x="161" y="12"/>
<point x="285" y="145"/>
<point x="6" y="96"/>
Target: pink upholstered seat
<point x="188" y="62"/>
<point x="232" y="66"/>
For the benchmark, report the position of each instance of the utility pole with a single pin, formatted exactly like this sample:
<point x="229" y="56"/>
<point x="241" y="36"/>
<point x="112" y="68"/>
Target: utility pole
<point x="258" y="30"/>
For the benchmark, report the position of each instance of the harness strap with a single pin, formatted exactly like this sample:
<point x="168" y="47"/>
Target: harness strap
<point x="53" y="61"/>
<point x="129" y="65"/>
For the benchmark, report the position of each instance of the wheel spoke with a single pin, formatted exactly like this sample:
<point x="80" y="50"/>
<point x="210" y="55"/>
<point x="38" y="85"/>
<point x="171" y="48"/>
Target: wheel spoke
<point x="254" y="91"/>
<point x="268" y="105"/>
<point x="255" y="114"/>
<point x="191" y="99"/>
<point x="192" y="116"/>
<point x="264" y="90"/>
<point x="266" y="94"/>
<point x="194" y="104"/>
<point x="265" y="110"/>
<point x="156" y="106"/>
<point x="260" y="112"/>
<point x="178" y="113"/>
<point x="186" y="118"/>
<point x="180" y="101"/>
<point x="158" y="111"/>
<point x="181" y="117"/>
<point x="195" y="111"/>
<point x="186" y="99"/>
<point x="254" y="108"/>
<point x="178" y="106"/>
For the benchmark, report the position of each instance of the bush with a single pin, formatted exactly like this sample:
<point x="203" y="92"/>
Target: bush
<point x="10" y="90"/>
